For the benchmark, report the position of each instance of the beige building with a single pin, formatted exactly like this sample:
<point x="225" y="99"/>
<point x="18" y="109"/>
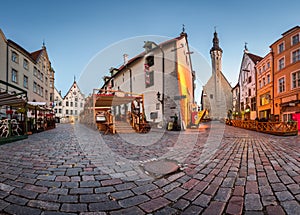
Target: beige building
<point x="163" y="74"/>
<point x="68" y="108"/>
<point x="247" y="85"/>
<point x="217" y="93"/>
<point x="31" y="72"/>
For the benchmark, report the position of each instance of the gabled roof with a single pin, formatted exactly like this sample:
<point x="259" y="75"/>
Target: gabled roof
<point x="254" y="58"/>
<point x="21" y="49"/>
<point x="35" y="55"/>
<point x="141" y="55"/>
<point x="71" y="88"/>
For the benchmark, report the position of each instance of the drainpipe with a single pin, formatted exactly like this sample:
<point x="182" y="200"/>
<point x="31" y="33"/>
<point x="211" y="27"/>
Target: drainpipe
<point x="7" y="65"/>
<point x="273" y="99"/>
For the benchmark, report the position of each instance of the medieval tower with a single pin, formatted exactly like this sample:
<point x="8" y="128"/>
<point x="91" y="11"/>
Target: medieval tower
<point x="216" y="94"/>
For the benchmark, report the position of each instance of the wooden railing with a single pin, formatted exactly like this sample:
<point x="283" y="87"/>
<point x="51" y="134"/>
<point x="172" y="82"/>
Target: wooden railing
<point x="276" y="128"/>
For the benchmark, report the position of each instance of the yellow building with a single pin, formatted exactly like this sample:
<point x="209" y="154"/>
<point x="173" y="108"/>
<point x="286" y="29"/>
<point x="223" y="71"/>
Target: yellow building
<point x="264" y="80"/>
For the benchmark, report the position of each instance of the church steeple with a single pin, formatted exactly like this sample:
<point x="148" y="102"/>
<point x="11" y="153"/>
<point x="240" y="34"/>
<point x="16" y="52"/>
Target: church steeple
<point x="216" y="46"/>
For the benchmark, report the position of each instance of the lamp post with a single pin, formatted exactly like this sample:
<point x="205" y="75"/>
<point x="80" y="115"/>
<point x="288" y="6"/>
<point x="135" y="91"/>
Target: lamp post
<point x="149" y="46"/>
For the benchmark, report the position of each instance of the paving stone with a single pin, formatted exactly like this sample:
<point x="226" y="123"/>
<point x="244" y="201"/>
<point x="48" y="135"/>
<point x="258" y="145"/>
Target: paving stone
<point x="62" y="178"/>
<point x="47" y="197"/>
<point x="46" y="177"/>
<point x="89" y="184"/>
<point x="125" y="186"/>
<point x="171" y="186"/>
<point x="235" y="205"/>
<point x="49" y="184"/>
<point x="24" y="193"/>
<point x="265" y="190"/>
<point x="70" y="184"/>
<point x="202" y="200"/>
<point x="133" y="210"/>
<point x="191" y="195"/>
<point x="275" y="210"/>
<point x="154" y="204"/>
<point x="58" y="191"/>
<point x="294" y="188"/>
<point x="3" y="204"/>
<point x="162" y="182"/>
<point x="68" y="207"/>
<point x="238" y="191"/>
<point x="105" y="189"/>
<point x="223" y="194"/>
<point x="22" y="210"/>
<point x="286" y="179"/>
<point x="251" y="187"/>
<point x="190" y="184"/>
<point x="291" y="207"/>
<point x="211" y="189"/>
<point x="215" y="207"/>
<point x="6" y="188"/>
<point x="44" y="205"/>
<point x="104" y="206"/>
<point x="16" y="200"/>
<point x="75" y="191"/>
<point x="278" y="187"/>
<point x="269" y="200"/>
<point x="252" y="202"/>
<point x="284" y="196"/>
<point x="93" y="198"/>
<point x="175" y="194"/>
<point x="166" y="210"/>
<point x="181" y="204"/>
<point x="68" y="199"/>
<point x="155" y="193"/>
<point x="111" y="182"/>
<point x="144" y="189"/>
<point x="132" y="201"/>
<point x="228" y="182"/>
<point x="122" y="194"/>
<point x="192" y="210"/>
<point x="202" y="185"/>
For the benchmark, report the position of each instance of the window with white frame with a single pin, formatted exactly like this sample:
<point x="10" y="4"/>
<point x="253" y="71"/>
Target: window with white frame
<point x="25" y="81"/>
<point x="281" y="85"/>
<point x="15" y="57"/>
<point x="296" y="56"/>
<point x="46" y="94"/>
<point x="268" y="65"/>
<point x="264" y="81"/>
<point x="280" y="47"/>
<point x="295" y="39"/>
<point x="281" y="64"/>
<point x="14" y="76"/>
<point x="295" y="79"/>
<point x="25" y="64"/>
<point x="259" y="82"/>
<point x="268" y="79"/>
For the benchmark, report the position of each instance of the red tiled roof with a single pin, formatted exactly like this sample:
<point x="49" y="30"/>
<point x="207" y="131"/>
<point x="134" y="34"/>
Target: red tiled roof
<point x="254" y="58"/>
<point x="36" y="54"/>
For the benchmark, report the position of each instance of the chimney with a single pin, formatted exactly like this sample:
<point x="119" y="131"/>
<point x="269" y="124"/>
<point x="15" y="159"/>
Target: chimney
<point x="125" y="57"/>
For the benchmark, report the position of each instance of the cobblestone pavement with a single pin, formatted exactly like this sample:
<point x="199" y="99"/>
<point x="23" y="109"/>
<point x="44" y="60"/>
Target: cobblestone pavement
<point x="225" y="170"/>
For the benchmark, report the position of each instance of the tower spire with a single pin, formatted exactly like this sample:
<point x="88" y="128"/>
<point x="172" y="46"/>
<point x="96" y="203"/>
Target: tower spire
<point x="246" y="48"/>
<point x="216" y="42"/>
<point x="183" y="31"/>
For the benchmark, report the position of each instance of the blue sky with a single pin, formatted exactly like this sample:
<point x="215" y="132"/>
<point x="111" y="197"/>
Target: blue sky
<point x="76" y="31"/>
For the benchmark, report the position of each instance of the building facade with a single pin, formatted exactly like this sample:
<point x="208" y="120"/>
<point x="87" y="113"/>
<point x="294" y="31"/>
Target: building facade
<point x="69" y="107"/>
<point x="286" y="55"/>
<point x="247" y="85"/>
<point x="265" y="94"/>
<point x="31" y="72"/>
<point x="217" y="93"/>
<point x="163" y="74"/>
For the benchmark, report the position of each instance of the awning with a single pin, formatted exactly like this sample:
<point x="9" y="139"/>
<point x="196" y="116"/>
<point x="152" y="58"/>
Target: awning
<point x="11" y="100"/>
<point x="110" y="100"/>
<point x="38" y="105"/>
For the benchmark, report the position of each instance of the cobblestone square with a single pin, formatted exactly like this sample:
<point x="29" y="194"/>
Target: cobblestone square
<point x="73" y="169"/>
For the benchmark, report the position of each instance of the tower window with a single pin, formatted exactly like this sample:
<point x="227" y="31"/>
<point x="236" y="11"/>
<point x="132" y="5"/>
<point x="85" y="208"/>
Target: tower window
<point x="150" y="60"/>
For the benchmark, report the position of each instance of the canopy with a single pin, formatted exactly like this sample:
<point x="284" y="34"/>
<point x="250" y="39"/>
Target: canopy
<point x="110" y="100"/>
<point x="11" y="100"/>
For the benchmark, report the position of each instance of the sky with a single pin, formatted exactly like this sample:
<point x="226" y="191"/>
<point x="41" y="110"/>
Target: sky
<point x="77" y="33"/>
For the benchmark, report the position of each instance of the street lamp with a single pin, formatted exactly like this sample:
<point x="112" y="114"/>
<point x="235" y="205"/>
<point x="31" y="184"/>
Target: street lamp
<point x="148" y="46"/>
